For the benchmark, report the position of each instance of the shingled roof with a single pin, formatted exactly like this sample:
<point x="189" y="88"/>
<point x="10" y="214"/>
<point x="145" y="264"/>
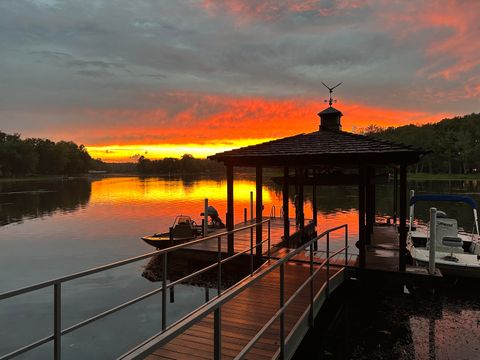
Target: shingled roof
<point x="321" y="147"/>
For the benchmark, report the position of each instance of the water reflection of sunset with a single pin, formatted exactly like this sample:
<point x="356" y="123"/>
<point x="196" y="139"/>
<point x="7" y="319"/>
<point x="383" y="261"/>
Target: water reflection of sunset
<point x="157" y="190"/>
<point x="157" y="200"/>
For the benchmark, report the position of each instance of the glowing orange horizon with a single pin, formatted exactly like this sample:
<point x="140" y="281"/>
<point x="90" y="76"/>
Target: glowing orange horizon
<point x="131" y="153"/>
<point x="232" y="123"/>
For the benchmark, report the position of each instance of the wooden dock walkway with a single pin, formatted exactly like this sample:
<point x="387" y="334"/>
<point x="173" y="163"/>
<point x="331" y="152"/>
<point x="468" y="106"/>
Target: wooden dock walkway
<point x="252" y="303"/>
<point x="245" y="321"/>
<point x="245" y="315"/>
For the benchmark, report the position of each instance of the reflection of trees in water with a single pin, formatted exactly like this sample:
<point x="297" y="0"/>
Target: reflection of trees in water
<point x="188" y="180"/>
<point x="461" y="212"/>
<point x="343" y="198"/>
<point x="32" y="199"/>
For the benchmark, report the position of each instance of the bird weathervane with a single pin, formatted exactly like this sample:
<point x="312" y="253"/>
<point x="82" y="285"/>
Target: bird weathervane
<point x="330" y="89"/>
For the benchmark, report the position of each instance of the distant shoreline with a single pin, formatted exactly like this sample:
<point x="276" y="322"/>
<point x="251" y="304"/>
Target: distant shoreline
<point x="411" y="176"/>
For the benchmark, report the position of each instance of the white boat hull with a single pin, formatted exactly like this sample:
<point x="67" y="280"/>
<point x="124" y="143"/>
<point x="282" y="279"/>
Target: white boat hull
<point x="467" y="265"/>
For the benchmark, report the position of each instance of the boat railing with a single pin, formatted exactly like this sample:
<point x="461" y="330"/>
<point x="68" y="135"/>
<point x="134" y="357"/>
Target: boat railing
<point x="215" y="305"/>
<point x="56" y="283"/>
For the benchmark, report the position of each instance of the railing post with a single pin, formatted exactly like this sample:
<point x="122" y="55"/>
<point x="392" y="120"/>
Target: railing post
<point x="207" y="294"/>
<point x="268" y="242"/>
<point x="245" y="215"/>
<point x="328" y="264"/>
<point x="217" y="334"/>
<point x="219" y="259"/>
<point x="282" y="314"/>
<point x="251" y="205"/>
<point x="311" y="317"/>
<point x="164" y="291"/>
<point x="251" y="251"/>
<point x="346" y="245"/>
<point x="57" y="321"/>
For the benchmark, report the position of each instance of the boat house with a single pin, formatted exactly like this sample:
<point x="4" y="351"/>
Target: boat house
<point x="328" y="156"/>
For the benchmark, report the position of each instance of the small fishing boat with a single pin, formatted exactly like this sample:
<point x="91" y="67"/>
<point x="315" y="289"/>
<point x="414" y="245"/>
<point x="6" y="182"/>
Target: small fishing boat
<point x="183" y="229"/>
<point x="457" y="252"/>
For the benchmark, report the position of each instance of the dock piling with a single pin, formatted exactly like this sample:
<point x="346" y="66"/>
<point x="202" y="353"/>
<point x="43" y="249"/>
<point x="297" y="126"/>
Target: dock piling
<point x="433" y="239"/>
<point x="205" y="218"/>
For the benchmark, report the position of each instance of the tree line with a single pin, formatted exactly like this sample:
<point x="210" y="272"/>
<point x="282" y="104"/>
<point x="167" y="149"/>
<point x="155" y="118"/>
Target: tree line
<point x="42" y="156"/>
<point x="187" y="164"/>
<point x="455" y="143"/>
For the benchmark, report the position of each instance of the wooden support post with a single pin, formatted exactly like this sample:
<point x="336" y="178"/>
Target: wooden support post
<point x="230" y="237"/>
<point x="361" y="216"/>
<point x="259" y="208"/>
<point x="403" y="218"/>
<point x="301" y="211"/>
<point x="286" y="217"/>
<point x="374" y="204"/>
<point x="314" y="204"/>
<point x="314" y="208"/>
<point x="368" y="206"/>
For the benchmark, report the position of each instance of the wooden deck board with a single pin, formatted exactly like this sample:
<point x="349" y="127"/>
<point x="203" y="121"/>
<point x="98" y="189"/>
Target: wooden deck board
<point x="243" y="316"/>
<point x="382" y="253"/>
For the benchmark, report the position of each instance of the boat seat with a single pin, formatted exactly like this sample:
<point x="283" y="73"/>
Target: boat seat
<point x="182" y="230"/>
<point x="452" y="241"/>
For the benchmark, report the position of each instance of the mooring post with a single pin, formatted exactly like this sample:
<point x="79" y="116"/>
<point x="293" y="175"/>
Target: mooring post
<point x="395" y="195"/>
<point x="432" y="242"/>
<point x="251" y="205"/>
<point x="412" y="209"/>
<point x="259" y="206"/>
<point x="205" y="218"/>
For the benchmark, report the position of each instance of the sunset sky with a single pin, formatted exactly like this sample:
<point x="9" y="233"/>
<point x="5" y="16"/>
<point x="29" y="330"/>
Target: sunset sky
<point x="164" y="78"/>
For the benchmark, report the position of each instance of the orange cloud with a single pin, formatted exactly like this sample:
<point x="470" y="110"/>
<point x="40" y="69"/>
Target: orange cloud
<point x="452" y="30"/>
<point x="214" y="123"/>
<point x="271" y="10"/>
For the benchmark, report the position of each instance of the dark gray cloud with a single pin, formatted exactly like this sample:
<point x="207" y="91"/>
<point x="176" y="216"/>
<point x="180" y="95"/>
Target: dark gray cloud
<point x="77" y="57"/>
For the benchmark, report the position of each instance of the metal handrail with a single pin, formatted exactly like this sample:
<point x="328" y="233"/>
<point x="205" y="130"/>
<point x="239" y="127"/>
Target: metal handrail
<point x="215" y="305"/>
<point x="58" y="332"/>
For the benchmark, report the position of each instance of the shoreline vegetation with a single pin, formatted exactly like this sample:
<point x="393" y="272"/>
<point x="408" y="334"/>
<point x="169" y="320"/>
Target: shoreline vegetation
<point x="454" y="145"/>
<point x="411" y="176"/>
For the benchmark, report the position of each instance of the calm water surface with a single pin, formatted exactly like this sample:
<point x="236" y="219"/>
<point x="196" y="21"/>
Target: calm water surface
<point x="54" y="228"/>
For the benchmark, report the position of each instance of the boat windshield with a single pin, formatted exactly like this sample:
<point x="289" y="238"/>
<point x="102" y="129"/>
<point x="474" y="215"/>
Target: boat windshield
<point x="182" y="219"/>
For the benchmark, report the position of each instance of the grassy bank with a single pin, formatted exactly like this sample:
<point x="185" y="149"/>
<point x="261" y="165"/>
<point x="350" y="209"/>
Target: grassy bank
<point x="426" y="176"/>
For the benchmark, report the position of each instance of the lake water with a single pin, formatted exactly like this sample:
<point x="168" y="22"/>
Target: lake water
<point x="54" y="228"/>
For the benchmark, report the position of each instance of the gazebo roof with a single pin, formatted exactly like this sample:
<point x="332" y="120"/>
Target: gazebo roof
<point x="324" y="147"/>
